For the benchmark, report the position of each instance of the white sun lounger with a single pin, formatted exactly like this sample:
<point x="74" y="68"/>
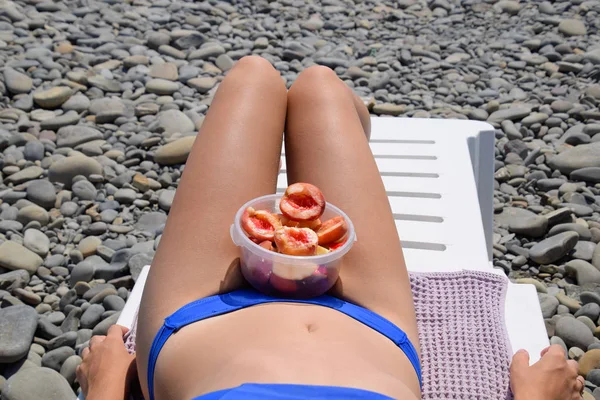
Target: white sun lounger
<point x="439" y="178"/>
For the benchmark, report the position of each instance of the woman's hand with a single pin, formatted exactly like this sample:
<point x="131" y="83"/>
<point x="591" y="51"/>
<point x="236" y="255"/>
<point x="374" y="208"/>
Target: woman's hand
<point x="107" y="368"/>
<point x="551" y="378"/>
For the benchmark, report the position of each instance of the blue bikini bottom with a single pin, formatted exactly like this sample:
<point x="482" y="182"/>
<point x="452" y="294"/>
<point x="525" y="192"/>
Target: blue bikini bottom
<point x="225" y="303"/>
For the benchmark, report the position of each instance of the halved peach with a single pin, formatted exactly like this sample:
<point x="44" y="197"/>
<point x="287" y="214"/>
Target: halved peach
<point x="260" y="224"/>
<point x="332" y="230"/>
<point x="296" y="241"/>
<point x="302" y="202"/>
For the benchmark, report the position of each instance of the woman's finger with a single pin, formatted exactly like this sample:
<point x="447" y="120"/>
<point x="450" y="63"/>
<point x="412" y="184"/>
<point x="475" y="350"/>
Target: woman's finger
<point x="573" y="366"/>
<point x="580" y="384"/>
<point x="80" y="373"/>
<point x="117" y="331"/>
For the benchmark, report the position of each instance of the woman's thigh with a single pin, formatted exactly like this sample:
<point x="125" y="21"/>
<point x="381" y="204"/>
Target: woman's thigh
<point x="235" y="158"/>
<point x="326" y="145"/>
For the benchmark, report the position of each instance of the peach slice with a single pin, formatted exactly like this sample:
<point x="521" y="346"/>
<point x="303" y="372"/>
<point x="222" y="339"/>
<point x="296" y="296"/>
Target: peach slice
<point x="260" y="224"/>
<point x="321" y="250"/>
<point x="337" y="244"/>
<point x="332" y="230"/>
<point x="267" y="244"/>
<point x="296" y="241"/>
<point x="302" y="202"/>
<point x="314" y="225"/>
<point x="285" y="221"/>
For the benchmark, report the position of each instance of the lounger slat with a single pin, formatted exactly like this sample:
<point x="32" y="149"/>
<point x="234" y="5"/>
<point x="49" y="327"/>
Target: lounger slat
<point x="430" y="261"/>
<point x="418" y="206"/>
<point x="384" y="128"/>
<point x="414" y="184"/>
<point x="399" y="149"/>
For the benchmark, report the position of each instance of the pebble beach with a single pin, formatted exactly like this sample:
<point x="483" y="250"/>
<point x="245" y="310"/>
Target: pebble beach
<point x="100" y="102"/>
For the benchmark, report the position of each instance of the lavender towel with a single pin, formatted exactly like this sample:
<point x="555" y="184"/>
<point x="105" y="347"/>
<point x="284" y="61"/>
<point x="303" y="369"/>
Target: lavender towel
<point x="465" y="352"/>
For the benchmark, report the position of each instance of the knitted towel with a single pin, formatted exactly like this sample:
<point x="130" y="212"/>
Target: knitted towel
<point x="465" y="351"/>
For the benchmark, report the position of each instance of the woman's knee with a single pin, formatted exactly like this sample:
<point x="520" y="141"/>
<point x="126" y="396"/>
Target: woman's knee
<point x="316" y="77"/>
<point x="316" y="82"/>
<point x="321" y="84"/>
<point x="256" y="71"/>
<point x="317" y="74"/>
<point x="253" y="67"/>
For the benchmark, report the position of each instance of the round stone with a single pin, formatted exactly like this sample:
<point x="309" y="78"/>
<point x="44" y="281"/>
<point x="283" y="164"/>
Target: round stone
<point x="78" y="103"/>
<point x="202" y="85"/>
<point x="84" y="190"/>
<point x="69" y="368"/>
<point x="33" y="151"/>
<point x="125" y="196"/>
<point x="574" y="332"/>
<point x="553" y="248"/>
<point x="549" y="304"/>
<point x="42" y="193"/>
<point x="113" y="302"/>
<point x="174" y="121"/>
<point x="572" y="27"/>
<point x="175" y="152"/>
<point x="37" y="242"/>
<point x="31" y="213"/>
<point x="52" y="98"/>
<point x="161" y="86"/>
<point x="589" y="361"/>
<point x="17" y="82"/>
<point x="91" y="316"/>
<point x="18" y="326"/>
<point x="49" y="385"/>
<point x="63" y="171"/>
<point x="165" y="199"/>
<point x="88" y="245"/>
<point x="14" y="256"/>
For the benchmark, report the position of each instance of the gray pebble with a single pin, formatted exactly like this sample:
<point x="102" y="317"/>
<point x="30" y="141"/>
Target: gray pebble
<point x="18" y="326"/>
<point x="42" y="193"/>
<point x="55" y="358"/>
<point x="49" y="385"/>
<point x="69" y="368"/>
<point x="91" y="316"/>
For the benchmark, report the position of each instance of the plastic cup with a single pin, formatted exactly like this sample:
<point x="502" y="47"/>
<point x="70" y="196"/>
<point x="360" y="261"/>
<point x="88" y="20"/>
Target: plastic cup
<point x="282" y="275"/>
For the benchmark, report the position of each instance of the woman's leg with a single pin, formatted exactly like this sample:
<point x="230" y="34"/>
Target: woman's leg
<point x="234" y="159"/>
<point x="326" y="146"/>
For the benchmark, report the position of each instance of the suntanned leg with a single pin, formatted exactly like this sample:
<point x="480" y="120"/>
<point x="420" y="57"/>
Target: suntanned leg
<point x="235" y="158"/>
<point x="326" y="146"/>
<point x="363" y="113"/>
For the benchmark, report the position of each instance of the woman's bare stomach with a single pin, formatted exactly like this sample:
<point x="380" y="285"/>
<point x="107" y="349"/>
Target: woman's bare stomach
<point x="282" y="343"/>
